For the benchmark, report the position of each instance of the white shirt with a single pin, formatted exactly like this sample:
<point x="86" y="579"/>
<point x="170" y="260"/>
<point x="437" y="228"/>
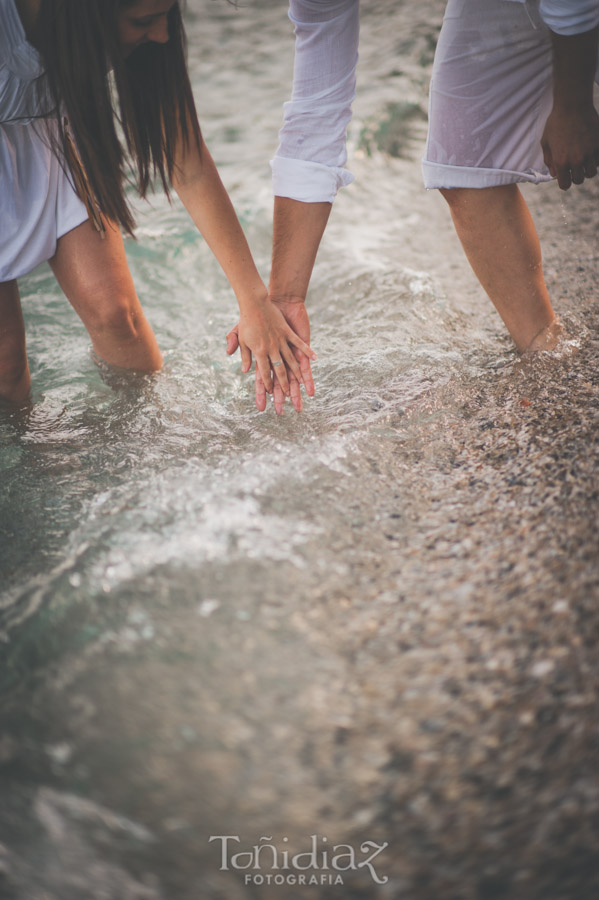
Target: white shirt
<point x="309" y="163"/>
<point x="570" y="16"/>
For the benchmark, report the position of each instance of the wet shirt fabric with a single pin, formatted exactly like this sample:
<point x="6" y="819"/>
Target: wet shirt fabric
<point x="38" y="202"/>
<point x="309" y="163"/>
<point x="516" y="84"/>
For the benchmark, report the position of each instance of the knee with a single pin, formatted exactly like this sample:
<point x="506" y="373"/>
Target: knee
<point x="457" y="198"/>
<point x="116" y="316"/>
<point x="117" y="326"/>
<point x="473" y="205"/>
<point x="467" y="206"/>
<point x="14" y="371"/>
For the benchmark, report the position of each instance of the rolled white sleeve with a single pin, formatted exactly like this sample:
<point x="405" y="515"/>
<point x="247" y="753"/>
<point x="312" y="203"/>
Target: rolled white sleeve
<point x="309" y="162"/>
<point x="570" y="16"/>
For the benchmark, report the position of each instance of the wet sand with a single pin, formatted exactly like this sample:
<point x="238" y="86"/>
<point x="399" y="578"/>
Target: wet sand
<point x="432" y="685"/>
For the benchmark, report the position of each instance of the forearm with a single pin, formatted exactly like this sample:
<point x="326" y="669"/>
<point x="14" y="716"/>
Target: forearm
<point x="574" y="64"/>
<point x="203" y="194"/>
<point x="298" y="229"/>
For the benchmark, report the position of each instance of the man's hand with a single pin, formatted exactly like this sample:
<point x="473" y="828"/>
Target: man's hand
<point x="570" y="141"/>
<point x="294" y="311"/>
<point x="571" y="145"/>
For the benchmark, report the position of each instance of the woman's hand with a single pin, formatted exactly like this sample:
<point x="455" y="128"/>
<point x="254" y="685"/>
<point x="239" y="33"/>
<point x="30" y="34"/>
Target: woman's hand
<point x="296" y="316"/>
<point x="264" y="332"/>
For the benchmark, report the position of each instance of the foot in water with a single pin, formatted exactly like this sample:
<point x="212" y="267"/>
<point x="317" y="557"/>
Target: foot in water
<point x="548" y="338"/>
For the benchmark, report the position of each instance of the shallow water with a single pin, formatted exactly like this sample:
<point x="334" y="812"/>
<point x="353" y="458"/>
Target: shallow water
<point x="374" y="621"/>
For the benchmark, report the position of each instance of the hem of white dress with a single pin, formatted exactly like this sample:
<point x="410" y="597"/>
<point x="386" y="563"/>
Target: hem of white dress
<point x="437" y="176"/>
<point x="20" y="268"/>
<point x="67" y="224"/>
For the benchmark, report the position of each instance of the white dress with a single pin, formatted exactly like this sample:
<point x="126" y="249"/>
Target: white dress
<point x="37" y="201"/>
<point x="490" y="93"/>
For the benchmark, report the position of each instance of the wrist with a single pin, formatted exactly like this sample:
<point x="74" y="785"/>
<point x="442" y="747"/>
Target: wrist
<point x="250" y="299"/>
<point x="281" y="297"/>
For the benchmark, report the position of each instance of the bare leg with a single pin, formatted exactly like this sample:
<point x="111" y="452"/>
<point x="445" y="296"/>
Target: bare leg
<point x="95" y="277"/>
<point x="15" y="379"/>
<point x="502" y="246"/>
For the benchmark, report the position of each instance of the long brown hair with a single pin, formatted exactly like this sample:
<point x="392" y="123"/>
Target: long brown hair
<point x="151" y="100"/>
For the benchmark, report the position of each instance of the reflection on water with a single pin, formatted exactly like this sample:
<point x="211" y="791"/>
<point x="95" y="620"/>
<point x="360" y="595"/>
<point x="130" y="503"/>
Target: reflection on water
<point x="375" y="621"/>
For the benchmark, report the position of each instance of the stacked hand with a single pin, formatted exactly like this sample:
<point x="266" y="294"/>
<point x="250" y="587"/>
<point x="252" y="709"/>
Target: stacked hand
<point x="284" y="364"/>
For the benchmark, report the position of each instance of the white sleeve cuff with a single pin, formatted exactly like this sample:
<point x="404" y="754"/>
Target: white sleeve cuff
<point x="309" y="182"/>
<point x="570" y="17"/>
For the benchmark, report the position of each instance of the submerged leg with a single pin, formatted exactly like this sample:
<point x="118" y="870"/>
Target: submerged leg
<point x="15" y="380"/>
<point x="502" y="246"/>
<point x="95" y="276"/>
